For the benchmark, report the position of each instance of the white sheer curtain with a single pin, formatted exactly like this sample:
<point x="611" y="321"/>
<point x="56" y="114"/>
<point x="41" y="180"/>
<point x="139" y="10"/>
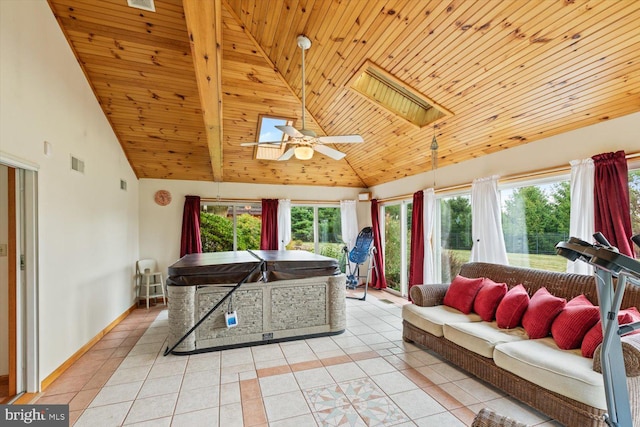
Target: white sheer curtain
<point x="581" y="223"/>
<point x="486" y="222"/>
<point x="284" y="223"/>
<point x="349" y="221"/>
<point x="429" y="221"/>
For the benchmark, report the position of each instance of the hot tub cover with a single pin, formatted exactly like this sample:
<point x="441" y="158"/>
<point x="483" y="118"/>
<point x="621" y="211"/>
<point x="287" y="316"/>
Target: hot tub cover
<point x="232" y="267"/>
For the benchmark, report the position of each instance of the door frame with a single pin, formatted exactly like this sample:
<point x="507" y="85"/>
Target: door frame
<point x="23" y="275"/>
<point x="12" y="279"/>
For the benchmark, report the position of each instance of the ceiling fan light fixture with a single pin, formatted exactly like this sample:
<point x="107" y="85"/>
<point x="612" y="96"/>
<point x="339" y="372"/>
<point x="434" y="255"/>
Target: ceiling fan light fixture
<point x="301" y="143"/>
<point x="308" y="133"/>
<point x="303" y="152"/>
<point x="303" y="42"/>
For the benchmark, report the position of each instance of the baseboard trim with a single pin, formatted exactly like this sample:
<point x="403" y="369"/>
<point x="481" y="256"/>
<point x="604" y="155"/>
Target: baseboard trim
<point x="26" y="399"/>
<point x="78" y="354"/>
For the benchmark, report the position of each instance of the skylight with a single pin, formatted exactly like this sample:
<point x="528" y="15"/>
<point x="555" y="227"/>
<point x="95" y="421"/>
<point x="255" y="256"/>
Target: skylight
<point x="386" y="90"/>
<point x="267" y="132"/>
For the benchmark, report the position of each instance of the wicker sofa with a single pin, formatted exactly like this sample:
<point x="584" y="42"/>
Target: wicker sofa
<point x="562" y="382"/>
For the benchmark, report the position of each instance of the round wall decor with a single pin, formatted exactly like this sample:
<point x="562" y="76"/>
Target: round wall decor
<point x="162" y="197"/>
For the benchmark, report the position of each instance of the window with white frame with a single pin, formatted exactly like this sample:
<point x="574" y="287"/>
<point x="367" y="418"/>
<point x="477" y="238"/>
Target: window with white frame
<point x="535" y="217"/>
<point x="453" y="231"/>
<point x="316" y="229"/>
<point x="396" y="235"/>
<point x="230" y="226"/>
<point x="634" y="202"/>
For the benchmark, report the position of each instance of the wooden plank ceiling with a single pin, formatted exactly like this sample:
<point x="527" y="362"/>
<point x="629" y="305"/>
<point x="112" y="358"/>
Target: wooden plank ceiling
<point x="511" y="72"/>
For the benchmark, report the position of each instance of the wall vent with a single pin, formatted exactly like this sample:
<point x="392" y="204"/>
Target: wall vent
<point x="142" y="4"/>
<point x="386" y="90"/>
<point x="77" y="164"/>
<point x="123" y="185"/>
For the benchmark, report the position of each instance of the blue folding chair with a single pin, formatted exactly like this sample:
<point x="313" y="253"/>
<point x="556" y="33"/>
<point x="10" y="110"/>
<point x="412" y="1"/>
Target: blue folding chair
<point x="361" y="252"/>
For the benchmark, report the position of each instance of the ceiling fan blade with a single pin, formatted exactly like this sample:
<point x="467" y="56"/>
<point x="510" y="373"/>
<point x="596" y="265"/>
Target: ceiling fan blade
<point x="251" y="144"/>
<point x="329" y="152"/>
<point x="287" y="154"/>
<point x="340" y="139"/>
<point x="290" y="130"/>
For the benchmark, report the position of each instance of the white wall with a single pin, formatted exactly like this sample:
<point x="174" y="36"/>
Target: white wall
<point x="618" y="134"/>
<point x="161" y="226"/>
<point x="88" y="227"/>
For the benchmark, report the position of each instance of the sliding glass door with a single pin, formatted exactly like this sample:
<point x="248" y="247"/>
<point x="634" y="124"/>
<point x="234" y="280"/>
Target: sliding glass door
<point x="397" y="244"/>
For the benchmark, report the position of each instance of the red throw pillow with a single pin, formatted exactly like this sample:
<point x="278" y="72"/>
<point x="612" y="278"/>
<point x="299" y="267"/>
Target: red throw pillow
<point x="579" y="300"/>
<point x="512" y="307"/>
<point x="593" y="338"/>
<point x="488" y="298"/>
<point x="543" y="309"/>
<point x="461" y="293"/>
<point x="573" y="323"/>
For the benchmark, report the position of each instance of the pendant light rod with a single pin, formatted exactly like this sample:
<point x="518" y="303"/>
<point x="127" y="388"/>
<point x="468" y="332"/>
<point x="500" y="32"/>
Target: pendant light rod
<point x="303" y="43"/>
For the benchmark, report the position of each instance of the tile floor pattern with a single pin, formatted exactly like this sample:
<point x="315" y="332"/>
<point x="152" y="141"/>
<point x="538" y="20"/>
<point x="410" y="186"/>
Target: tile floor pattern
<point x="366" y="376"/>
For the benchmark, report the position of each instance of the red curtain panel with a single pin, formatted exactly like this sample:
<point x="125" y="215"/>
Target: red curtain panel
<point x="416" y="263"/>
<point x="377" y="278"/>
<point x="611" y="200"/>
<point x="269" y="233"/>
<point x="190" y="242"/>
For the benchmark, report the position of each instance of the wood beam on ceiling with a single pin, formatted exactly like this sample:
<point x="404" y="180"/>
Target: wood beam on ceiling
<point x="204" y="24"/>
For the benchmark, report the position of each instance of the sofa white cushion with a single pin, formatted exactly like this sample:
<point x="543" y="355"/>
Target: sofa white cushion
<point x="543" y="363"/>
<point x="481" y="337"/>
<point x="431" y="319"/>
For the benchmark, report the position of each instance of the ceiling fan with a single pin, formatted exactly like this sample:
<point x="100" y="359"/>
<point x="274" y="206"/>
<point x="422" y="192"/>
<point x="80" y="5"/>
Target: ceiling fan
<point x="303" y="142"/>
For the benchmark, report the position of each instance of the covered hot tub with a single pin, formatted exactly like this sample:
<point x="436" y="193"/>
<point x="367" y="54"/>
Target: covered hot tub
<point x="283" y="295"/>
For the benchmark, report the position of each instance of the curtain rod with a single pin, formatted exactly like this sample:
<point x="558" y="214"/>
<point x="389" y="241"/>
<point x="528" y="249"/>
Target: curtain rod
<point x="458" y="187"/>
<point x="509" y="178"/>
<point x="232" y="200"/>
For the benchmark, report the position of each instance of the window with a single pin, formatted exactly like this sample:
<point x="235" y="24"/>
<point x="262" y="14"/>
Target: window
<point x="454" y="217"/>
<point x="392" y="246"/>
<point x="230" y="227"/>
<point x="386" y="90"/>
<point x="397" y="244"/>
<point x="267" y="132"/>
<point x="302" y="229"/>
<point x="407" y="245"/>
<point x="534" y="219"/>
<point x="634" y="202"/>
<point x="330" y="232"/>
<point x="317" y="229"/>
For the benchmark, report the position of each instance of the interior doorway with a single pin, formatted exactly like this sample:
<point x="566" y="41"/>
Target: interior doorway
<point x="18" y="281"/>
<point x="5" y="328"/>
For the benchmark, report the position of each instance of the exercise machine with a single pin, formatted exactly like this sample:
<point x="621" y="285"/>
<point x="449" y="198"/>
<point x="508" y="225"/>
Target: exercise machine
<point x="609" y="263"/>
<point x="362" y="251"/>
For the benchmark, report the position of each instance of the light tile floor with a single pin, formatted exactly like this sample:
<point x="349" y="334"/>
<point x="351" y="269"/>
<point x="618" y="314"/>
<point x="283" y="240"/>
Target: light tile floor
<point x="366" y="376"/>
